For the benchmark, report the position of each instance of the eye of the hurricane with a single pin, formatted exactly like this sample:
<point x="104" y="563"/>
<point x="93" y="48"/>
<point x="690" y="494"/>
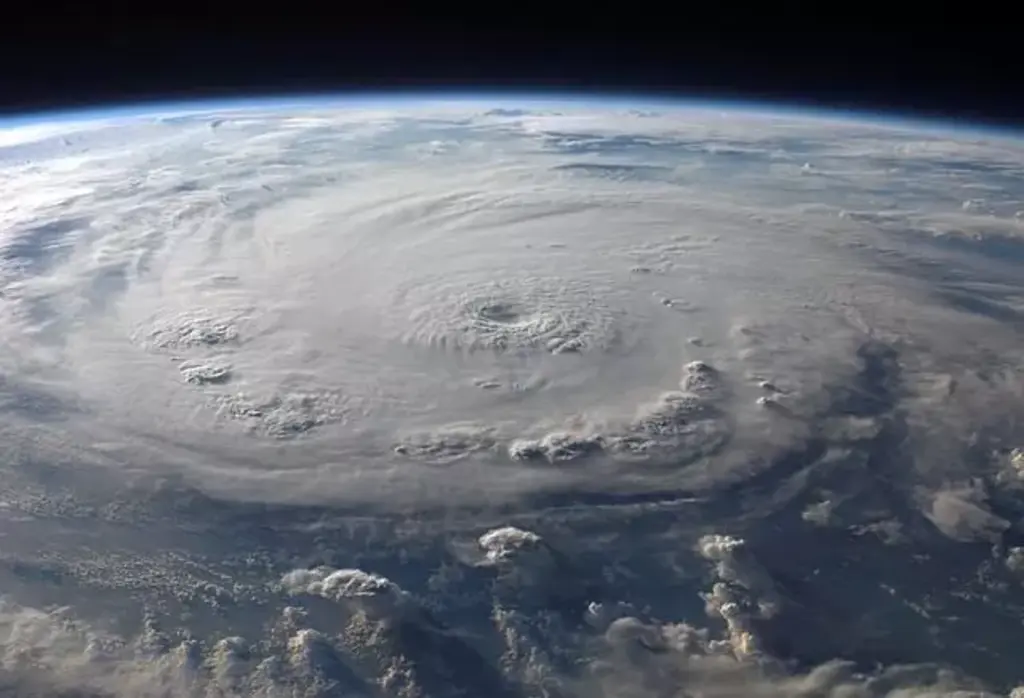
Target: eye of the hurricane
<point x="501" y="326"/>
<point x="523" y="312"/>
<point x="500" y="313"/>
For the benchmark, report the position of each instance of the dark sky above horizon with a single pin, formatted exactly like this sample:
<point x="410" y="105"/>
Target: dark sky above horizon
<point x="957" y="75"/>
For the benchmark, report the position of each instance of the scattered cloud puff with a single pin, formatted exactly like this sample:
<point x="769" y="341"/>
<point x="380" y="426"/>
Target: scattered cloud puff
<point x="961" y="513"/>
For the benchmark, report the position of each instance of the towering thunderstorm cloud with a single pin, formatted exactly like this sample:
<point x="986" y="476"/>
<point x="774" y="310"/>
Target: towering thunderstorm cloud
<point x="460" y="399"/>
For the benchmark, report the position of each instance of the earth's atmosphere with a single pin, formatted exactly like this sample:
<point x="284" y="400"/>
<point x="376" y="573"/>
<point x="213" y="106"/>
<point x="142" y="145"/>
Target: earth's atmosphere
<point x="510" y="398"/>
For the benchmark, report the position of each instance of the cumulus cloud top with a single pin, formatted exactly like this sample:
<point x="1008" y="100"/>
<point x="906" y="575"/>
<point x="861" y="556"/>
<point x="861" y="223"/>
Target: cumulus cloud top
<point x="338" y="584"/>
<point x="504" y="543"/>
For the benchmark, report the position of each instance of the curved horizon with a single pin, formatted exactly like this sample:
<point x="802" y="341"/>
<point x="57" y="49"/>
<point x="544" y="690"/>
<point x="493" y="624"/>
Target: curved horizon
<point x="790" y="108"/>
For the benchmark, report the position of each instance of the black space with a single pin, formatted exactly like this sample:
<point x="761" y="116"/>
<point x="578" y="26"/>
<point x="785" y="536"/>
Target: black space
<point x="955" y="73"/>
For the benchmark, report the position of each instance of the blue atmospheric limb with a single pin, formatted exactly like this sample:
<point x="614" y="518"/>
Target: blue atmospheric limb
<point x="511" y="101"/>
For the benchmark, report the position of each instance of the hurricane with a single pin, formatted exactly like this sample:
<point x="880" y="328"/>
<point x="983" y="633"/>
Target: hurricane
<point x="510" y="397"/>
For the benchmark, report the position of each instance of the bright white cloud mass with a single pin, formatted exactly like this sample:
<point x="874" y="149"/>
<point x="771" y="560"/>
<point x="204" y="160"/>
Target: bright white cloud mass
<point x="457" y="399"/>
